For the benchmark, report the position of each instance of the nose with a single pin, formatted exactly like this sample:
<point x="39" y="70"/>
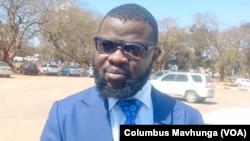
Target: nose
<point x="118" y="57"/>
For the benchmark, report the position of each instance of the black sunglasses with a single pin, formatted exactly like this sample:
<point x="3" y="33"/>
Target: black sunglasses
<point x="130" y="50"/>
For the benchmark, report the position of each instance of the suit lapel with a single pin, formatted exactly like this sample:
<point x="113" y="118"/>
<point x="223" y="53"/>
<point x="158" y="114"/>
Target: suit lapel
<point x="163" y="107"/>
<point x="94" y="117"/>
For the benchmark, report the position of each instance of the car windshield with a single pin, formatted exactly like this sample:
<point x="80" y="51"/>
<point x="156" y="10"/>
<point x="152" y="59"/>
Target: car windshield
<point x="159" y="74"/>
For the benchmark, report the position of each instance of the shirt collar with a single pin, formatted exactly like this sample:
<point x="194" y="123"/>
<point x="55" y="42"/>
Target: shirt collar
<point x="144" y="95"/>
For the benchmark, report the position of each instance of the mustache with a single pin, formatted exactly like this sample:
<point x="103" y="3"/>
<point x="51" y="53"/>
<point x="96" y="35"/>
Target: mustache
<point x="116" y="70"/>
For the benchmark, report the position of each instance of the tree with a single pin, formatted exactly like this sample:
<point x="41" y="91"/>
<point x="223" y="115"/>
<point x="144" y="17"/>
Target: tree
<point x="245" y="47"/>
<point x="172" y="44"/>
<point x="228" y="52"/>
<point x="203" y="39"/>
<point x="18" y="25"/>
<point x="70" y="31"/>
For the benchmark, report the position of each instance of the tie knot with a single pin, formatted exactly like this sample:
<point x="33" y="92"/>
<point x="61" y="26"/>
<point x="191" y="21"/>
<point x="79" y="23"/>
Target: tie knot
<point x="130" y="108"/>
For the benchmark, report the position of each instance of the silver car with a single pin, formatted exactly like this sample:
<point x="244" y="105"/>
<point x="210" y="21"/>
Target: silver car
<point x="70" y="71"/>
<point x="89" y="72"/>
<point x="5" y="69"/>
<point x="242" y="82"/>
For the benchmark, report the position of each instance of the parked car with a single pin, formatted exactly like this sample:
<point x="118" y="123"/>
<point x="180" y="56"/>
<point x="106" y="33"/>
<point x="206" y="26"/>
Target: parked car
<point x="30" y="68"/>
<point x="159" y="74"/>
<point x="242" y="82"/>
<point x="89" y="72"/>
<point x="70" y="71"/>
<point x="5" y="69"/>
<point x="50" y="69"/>
<point x="194" y="87"/>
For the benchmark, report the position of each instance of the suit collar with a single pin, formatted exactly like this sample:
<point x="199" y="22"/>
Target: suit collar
<point x="163" y="105"/>
<point x="90" y="100"/>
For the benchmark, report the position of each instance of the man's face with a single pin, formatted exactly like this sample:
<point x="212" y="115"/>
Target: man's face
<point x="116" y="75"/>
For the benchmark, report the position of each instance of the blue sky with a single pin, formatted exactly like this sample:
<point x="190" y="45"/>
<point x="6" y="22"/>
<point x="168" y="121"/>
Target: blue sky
<point x="228" y="12"/>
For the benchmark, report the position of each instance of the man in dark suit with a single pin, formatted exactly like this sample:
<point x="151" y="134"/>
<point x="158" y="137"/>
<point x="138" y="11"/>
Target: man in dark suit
<point x="126" y="48"/>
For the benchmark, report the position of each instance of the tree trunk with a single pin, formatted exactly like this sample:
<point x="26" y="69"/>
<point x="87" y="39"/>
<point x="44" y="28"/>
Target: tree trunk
<point x="222" y="74"/>
<point x="6" y="57"/>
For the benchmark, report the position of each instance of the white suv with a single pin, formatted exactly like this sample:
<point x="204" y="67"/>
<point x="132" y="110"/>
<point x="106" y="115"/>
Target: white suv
<point x="49" y="69"/>
<point x="194" y="87"/>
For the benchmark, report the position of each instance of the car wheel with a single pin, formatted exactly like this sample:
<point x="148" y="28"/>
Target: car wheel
<point x="191" y="96"/>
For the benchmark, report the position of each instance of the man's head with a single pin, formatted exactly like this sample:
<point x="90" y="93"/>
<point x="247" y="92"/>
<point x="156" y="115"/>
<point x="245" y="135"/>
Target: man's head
<point x="126" y="49"/>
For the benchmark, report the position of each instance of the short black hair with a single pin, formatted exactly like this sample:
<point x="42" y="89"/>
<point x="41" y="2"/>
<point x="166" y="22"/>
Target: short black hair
<point x="135" y="12"/>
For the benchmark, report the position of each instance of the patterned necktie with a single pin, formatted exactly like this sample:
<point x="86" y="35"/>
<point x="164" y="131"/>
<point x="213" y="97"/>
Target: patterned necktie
<point x="130" y="108"/>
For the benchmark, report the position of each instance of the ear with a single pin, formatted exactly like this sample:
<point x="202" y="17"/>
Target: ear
<point x="157" y="53"/>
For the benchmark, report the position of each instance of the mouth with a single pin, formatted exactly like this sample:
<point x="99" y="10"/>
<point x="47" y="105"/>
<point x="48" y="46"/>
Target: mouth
<point x="115" y="74"/>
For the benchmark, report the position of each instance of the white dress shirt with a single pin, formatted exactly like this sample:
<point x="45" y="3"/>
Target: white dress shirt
<point x="144" y="116"/>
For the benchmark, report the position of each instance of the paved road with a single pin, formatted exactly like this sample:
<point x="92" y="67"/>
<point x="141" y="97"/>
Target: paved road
<point x="26" y="100"/>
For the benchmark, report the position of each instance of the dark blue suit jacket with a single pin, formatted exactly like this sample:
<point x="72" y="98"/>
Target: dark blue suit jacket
<point x="85" y="116"/>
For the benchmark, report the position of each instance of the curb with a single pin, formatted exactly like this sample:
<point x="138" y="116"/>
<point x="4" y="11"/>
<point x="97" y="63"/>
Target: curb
<point x="233" y="88"/>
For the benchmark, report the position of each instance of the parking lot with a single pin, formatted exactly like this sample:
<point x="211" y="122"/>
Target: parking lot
<point x="25" y="102"/>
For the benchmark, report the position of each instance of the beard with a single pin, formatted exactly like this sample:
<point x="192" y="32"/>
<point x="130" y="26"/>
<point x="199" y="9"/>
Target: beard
<point x="129" y="88"/>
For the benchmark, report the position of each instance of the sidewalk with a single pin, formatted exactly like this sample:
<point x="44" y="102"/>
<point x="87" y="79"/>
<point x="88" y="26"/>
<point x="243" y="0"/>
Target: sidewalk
<point x="221" y="85"/>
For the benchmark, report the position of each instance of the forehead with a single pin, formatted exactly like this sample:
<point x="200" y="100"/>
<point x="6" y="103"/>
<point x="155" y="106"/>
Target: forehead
<point x="120" y="30"/>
